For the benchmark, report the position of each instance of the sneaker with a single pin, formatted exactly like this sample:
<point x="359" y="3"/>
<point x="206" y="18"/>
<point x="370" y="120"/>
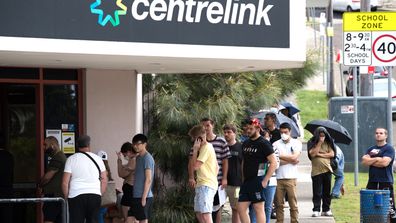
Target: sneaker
<point x="273" y="215"/>
<point x="327" y="213"/>
<point x="315" y="214"/>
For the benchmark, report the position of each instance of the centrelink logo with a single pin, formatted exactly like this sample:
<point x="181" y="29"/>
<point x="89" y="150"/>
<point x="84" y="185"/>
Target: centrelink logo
<point x="103" y="20"/>
<point x="190" y="11"/>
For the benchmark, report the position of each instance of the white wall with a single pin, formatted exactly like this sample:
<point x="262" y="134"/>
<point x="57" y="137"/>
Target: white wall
<point x="110" y="111"/>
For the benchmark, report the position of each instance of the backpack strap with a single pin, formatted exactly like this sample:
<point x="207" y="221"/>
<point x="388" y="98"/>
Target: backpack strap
<point x="97" y="166"/>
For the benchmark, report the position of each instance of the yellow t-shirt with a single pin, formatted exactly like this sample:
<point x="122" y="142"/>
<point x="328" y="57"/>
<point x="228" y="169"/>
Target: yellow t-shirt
<point x="207" y="173"/>
<point x="321" y="165"/>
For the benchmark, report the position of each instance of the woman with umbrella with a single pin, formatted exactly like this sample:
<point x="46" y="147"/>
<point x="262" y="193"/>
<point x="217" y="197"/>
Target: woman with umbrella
<point x="321" y="149"/>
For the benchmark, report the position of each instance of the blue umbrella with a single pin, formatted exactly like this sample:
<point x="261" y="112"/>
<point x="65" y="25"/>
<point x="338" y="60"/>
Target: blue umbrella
<point x="295" y="130"/>
<point x="289" y="106"/>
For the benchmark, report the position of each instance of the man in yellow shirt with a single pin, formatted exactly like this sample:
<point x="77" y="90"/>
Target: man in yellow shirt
<point x="205" y="164"/>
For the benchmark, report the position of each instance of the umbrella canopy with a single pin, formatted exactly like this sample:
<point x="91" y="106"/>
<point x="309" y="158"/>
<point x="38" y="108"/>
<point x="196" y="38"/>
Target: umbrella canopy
<point x="295" y="130"/>
<point x="289" y="106"/>
<point x="335" y="129"/>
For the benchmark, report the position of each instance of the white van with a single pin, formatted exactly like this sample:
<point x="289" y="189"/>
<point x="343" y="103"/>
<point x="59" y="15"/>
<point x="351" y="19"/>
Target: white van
<point x="352" y="5"/>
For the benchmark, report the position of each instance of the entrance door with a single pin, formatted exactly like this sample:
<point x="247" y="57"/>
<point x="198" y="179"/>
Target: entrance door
<point x="18" y="122"/>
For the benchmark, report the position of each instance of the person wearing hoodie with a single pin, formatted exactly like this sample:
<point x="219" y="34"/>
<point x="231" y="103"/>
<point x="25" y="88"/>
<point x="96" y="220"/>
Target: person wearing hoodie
<point x="321" y="150"/>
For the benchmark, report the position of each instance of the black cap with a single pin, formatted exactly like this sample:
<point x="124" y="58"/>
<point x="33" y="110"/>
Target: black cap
<point x="83" y="141"/>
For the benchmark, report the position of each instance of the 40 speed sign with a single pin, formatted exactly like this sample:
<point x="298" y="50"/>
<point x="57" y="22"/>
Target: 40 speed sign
<point x="369" y="39"/>
<point x="384" y="48"/>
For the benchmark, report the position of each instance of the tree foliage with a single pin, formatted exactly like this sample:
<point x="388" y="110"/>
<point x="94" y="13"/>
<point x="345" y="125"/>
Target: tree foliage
<point x="181" y="100"/>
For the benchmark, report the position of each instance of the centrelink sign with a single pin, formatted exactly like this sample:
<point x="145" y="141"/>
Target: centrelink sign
<point x="240" y="23"/>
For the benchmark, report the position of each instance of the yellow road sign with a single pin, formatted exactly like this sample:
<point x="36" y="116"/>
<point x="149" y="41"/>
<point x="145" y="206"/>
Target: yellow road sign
<point x="369" y="21"/>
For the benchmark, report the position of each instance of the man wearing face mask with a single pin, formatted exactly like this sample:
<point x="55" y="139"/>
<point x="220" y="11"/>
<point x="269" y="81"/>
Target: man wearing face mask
<point x="52" y="179"/>
<point x="286" y="175"/>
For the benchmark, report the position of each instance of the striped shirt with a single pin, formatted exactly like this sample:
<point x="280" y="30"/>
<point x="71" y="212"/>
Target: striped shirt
<point x="222" y="152"/>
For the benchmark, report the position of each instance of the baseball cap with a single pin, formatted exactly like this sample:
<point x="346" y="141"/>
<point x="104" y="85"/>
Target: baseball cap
<point x="102" y="154"/>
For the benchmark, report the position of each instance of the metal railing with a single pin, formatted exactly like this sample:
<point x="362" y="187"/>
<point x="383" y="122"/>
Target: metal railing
<point x="39" y="200"/>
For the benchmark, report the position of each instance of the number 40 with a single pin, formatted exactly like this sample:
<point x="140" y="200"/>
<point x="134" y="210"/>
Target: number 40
<point x="387" y="48"/>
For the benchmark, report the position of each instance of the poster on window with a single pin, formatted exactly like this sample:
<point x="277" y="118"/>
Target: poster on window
<point x="57" y="133"/>
<point x="68" y="142"/>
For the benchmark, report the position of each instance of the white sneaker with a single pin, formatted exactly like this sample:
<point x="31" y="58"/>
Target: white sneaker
<point x="316" y="214"/>
<point x="327" y="213"/>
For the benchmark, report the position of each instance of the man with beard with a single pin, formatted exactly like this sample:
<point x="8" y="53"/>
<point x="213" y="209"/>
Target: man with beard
<point x="258" y="165"/>
<point x="379" y="159"/>
<point x="51" y="182"/>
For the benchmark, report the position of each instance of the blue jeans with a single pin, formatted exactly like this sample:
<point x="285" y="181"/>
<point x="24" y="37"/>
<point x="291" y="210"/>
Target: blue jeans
<point x="339" y="179"/>
<point x="102" y="213"/>
<point x="269" y="193"/>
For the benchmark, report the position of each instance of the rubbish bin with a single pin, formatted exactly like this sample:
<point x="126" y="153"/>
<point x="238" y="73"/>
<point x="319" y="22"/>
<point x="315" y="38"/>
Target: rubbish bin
<point x="374" y="206"/>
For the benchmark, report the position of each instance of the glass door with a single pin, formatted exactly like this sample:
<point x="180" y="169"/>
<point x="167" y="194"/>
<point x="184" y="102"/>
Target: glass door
<point x="18" y="114"/>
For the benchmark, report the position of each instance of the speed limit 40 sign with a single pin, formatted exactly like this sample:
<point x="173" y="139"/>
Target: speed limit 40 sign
<point x="384" y="48"/>
<point x="369" y="38"/>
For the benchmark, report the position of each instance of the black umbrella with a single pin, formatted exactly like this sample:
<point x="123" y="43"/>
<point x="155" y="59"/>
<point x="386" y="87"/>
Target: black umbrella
<point x="335" y="129"/>
<point x="288" y="105"/>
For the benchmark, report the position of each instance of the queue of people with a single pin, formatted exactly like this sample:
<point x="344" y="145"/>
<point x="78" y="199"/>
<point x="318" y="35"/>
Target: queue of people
<point x="83" y="177"/>
<point x="257" y="173"/>
<point x="266" y="156"/>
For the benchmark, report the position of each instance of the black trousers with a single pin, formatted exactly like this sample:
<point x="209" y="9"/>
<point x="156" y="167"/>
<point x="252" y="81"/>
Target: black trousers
<point x="84" y="207"/>
<point x="321" y="186"/>
<point x="384" y="186"/>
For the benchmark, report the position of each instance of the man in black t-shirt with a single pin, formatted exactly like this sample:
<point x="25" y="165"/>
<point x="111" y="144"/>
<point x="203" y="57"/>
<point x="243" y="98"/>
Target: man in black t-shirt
<point x="270" y="126"/>
<point x="259" y="163"/>
<point x="234" y="176"/>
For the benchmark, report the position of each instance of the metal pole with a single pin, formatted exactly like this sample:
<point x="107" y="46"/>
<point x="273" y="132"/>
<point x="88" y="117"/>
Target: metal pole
<point x="38" y="200"/>
<point x="322" y="39"/>
<point x="314" y="24"/>
<point x="365" y="6"/>
<point x="389" y="117"/>
<point x="342" y="79"/>
<point x="355" y="127"/>
<point x="331" y="53"/>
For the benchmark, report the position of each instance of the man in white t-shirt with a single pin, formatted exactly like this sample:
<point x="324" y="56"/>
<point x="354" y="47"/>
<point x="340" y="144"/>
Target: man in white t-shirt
<point x="84" y="182"/>
<point x="286" y="175"/>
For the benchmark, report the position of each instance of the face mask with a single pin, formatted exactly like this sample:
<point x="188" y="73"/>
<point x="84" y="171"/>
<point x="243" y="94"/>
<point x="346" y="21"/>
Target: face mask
<point x="285" y="137"/>
<point x="126" y="158"/>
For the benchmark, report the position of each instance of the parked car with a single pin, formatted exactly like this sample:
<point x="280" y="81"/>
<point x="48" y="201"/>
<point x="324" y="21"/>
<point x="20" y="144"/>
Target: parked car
<point x="379" y="72"/>
<point x="380" y="89"/>
<point x="352" y="5"/>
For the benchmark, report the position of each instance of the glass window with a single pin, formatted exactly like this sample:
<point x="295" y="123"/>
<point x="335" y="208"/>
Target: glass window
<point x="19" y="73"/>
<point x="60" y="74"/>
<point x="61" y="107"/>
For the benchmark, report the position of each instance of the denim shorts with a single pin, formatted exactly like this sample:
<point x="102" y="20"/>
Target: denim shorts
<point x="203" y="200"/>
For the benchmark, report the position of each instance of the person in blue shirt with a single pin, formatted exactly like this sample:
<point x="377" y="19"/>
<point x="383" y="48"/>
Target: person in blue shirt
<point x="338" y="187"/>
<point x="379" y="159"/>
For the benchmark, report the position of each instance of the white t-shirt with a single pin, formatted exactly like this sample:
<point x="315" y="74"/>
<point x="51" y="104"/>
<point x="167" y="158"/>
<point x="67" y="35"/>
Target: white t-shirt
<point x="288" y="171"/>
<point x="84" y="174"/>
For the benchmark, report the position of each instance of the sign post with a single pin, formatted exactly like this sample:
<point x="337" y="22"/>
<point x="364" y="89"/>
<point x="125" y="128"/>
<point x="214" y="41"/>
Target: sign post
<point x="369" y="39"/>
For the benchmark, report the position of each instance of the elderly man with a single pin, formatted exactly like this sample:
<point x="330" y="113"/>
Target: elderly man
<point x="84" y="181"/>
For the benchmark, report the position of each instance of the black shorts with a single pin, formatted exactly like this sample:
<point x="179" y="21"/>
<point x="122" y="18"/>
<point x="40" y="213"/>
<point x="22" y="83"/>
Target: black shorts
<point x="252" y="191"/>
<point x="52" y="211"/>
<point x="138" y="211"/>
<point x="127" y="196"/>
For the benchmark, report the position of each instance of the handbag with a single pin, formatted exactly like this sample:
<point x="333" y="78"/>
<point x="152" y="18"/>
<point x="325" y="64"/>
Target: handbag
<point x="109" y="197"/>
